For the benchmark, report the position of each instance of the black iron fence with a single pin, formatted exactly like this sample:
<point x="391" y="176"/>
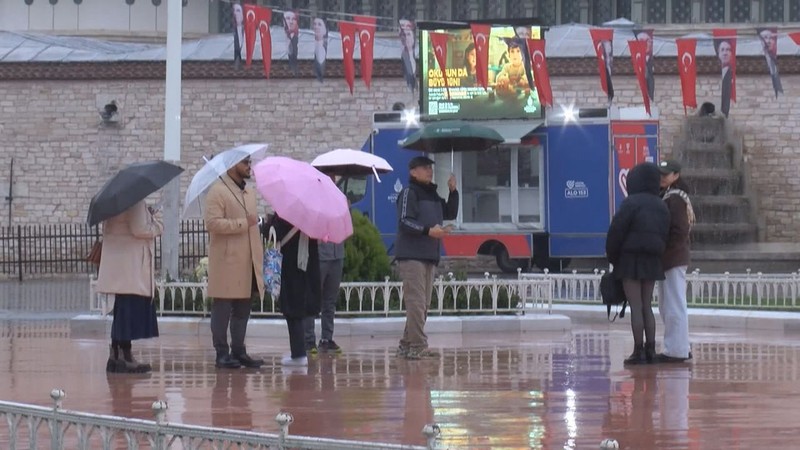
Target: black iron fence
<point x="37" y="251"/>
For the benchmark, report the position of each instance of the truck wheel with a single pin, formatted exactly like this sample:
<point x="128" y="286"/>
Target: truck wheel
<point x="509" y="265"/>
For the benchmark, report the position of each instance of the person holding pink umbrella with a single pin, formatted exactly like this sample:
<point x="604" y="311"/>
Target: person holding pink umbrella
<point x="309" y="208"/>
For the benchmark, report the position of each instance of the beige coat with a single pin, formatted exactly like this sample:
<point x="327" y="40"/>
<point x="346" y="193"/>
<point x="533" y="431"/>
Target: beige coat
<point x="126" y="266"/>
<point x="235" y="248"/>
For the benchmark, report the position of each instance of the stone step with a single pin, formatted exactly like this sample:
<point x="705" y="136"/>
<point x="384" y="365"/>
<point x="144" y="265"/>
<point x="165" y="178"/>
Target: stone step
<point x="713" y="181"/>
<point x="707" y="158"/>
<point x="724" y="233"/>
<point x="730" y="209"/>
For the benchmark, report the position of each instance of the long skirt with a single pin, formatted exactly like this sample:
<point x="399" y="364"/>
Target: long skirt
<point x="134" y="318"/>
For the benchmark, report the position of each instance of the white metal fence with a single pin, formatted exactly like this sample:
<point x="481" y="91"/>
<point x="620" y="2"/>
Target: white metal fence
<point x="489" y="295"/>
<point x="493" y="295"/>
<point x="32" y="427"/>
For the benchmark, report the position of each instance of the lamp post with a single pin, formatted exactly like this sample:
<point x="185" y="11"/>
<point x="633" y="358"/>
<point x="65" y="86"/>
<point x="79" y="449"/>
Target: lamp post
<point x="172" y="140"/>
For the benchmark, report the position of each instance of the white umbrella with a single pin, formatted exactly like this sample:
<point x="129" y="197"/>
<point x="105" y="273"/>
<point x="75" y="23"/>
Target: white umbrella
<point x="348" y="162"/>
<point x="209" y="173"/>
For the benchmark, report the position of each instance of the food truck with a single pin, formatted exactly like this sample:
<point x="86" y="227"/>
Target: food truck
<point x="543" y="196"/>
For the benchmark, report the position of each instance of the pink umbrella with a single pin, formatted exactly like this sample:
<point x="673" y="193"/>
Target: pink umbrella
<point x="304" y="197"/>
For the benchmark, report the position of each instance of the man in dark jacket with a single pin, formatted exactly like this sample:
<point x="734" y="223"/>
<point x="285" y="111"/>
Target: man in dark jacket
<point x="421" y="212"/>
<point x="635" y="246"/>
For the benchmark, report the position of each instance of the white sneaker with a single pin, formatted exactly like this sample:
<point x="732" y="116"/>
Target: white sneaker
<point x="294" y="362"/>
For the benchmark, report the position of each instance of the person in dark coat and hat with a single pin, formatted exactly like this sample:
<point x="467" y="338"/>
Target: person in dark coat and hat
<point x="635" y="245"/>
<point x="301" y="294"/>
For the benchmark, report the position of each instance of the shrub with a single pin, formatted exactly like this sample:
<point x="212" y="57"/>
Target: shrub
<point x="365" y="255"/>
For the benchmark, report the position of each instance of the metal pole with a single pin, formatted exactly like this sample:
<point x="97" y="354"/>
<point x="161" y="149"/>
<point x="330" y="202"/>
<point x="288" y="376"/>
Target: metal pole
<point x="10" y="196"/>
<point x="172" y="140"/>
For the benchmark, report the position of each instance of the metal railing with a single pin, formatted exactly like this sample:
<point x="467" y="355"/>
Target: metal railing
<point x="47" y="249"/>
<point x="33" y="426"/>
<point x="725" y="290"/>
<point x="489" y="295"/>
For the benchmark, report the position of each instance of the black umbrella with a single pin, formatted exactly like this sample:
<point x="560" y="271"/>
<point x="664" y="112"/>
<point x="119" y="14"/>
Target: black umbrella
<point x="451" y="136"/>
<point x="128" y="187"/>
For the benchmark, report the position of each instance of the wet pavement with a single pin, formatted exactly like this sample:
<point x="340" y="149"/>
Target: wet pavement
<point x="486" y="391"/>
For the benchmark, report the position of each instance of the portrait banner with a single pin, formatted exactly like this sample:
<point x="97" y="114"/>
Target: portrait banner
<point x="769" y="46"/>
<point x="725" y="48"/>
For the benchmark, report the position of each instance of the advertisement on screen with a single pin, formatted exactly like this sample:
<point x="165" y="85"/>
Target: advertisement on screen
<point x="511" y="92"/>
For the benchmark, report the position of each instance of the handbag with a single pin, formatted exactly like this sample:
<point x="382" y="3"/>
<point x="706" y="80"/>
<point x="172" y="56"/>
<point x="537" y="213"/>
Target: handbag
<point x="95" y="253"/>
<point x="273" y="261"/>
<point x="613" y="294"/>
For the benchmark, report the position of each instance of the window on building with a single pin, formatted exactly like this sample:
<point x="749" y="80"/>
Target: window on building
<point x="500" y="185"/>
<point x="740" y="11"/>
<point x="437" y="10"/>
<point x="657" y="11"/>
<point x="387" y="19"/>
<point x="406" y="9"/>
<point x="460" y="10"/>
<point x="330" y="8"/>
<point x="516" y="8"/>
<point x="715" y="11"/>
<point x="602" y="11"/>
<point x="545" y="10"/>
<point x="624" y="9"/>
<point x="794" y="12"/>
<point x="681" y="11"/>
<point x="570" y="11"/>
<point x="773" y="11"/>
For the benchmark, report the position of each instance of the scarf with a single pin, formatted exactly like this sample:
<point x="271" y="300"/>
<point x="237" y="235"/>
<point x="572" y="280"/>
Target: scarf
<point x="683" y="195"/>
<point x="302" y="252"/>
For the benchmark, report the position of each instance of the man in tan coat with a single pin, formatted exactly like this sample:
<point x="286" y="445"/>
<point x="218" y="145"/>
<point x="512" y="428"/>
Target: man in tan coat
<point x="234" y="263"/>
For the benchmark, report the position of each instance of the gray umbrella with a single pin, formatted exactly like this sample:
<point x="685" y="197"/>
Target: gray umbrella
<point x="128" y="187"/>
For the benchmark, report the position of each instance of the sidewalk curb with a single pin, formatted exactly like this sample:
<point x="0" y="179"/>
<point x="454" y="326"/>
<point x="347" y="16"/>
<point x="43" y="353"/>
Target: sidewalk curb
<point x="96" y="325"/>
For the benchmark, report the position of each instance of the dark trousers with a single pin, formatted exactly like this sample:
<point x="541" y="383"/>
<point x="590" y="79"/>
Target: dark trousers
<point x="296" y="337"/>
<point x="233" y="312"/>
<point x="331" y="274"/>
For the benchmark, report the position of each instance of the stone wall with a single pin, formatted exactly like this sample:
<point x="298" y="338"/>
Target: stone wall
<point x="63" y="153"/>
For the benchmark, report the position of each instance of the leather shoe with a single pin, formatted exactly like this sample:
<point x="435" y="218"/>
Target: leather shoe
<point x="245" y="360"/>
<point x="226" y="362"/>
<point x="662" y="358"/>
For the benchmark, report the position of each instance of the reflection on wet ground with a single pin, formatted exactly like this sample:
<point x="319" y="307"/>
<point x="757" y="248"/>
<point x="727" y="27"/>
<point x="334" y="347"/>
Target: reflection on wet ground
<point x="536" y="390"/>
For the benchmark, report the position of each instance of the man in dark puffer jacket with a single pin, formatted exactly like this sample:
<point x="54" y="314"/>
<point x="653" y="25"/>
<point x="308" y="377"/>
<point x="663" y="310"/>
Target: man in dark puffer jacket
<point x="420" y="212"/>
<point x="635" y="245"/>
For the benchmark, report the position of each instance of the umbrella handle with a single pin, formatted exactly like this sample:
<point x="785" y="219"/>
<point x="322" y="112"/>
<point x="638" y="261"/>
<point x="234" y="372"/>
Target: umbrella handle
<point x="376" y="173"/>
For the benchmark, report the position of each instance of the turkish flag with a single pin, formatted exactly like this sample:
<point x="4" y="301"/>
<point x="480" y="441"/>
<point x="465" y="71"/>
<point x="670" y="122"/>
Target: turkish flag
<point x="439" y="43"/>
<point x="795" y="37"/>
<point x="263" y="17"/>
<point x="250" y="31"/>
<point x="366" y="38"/>
<point x="639" y="59"/>
<point x="602" y="39"/>
<point x="688" y="71"/>
<point x="480" y="37"/>
<point x="541" y="77"/>
<point x="348" y="32"/>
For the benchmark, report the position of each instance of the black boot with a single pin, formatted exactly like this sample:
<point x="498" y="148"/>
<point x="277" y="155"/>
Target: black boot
<point x="637" y="357"/>
<point x="224" y="361"/>
<point x="114" y="364"/>
<point x="133" y="366"/>
<point x="650" y="352"/>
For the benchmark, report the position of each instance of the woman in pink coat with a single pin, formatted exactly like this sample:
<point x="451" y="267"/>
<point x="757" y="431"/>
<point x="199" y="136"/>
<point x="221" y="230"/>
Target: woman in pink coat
<point x="127" y="271"/>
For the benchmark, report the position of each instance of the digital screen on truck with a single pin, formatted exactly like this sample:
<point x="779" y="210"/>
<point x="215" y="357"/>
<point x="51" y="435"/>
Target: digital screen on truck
<point x="510" y="93"/>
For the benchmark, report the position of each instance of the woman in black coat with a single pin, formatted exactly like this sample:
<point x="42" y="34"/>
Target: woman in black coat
<point x="635" y="245"/>
<point x="301" y="295"/>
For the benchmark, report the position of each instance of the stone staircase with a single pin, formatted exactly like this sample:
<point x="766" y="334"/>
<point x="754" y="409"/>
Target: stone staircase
<point x="714" y="171"/>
